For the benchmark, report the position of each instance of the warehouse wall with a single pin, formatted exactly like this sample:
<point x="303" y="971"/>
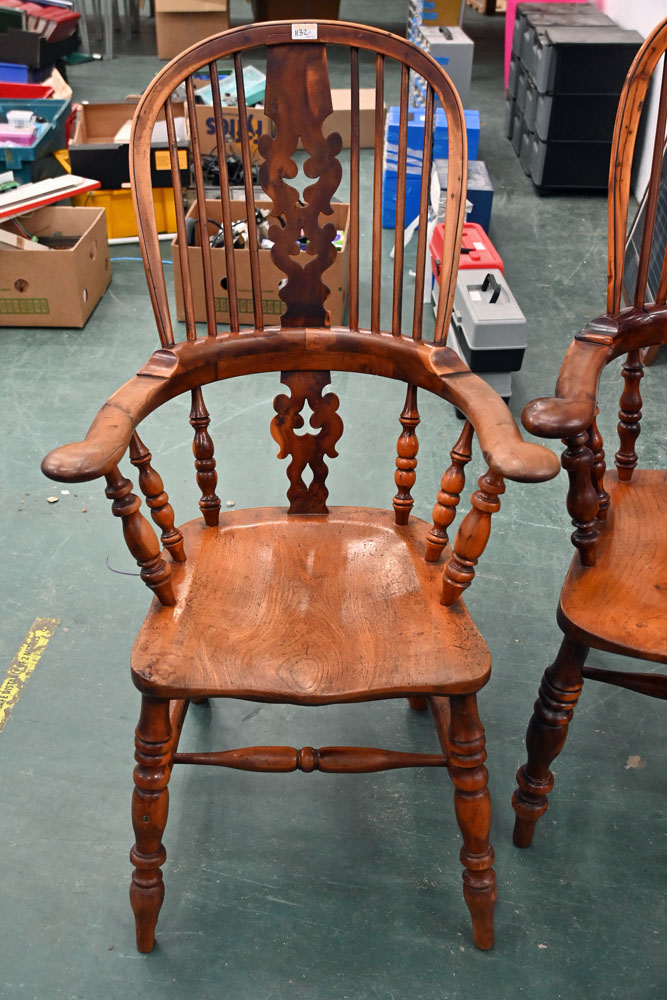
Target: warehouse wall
<point x="641" y="17"/>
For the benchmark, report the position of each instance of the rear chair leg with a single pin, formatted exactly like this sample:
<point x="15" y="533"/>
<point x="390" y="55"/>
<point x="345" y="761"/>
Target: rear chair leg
<point x="467" y="753"/>
<point x="547" y="732"/>
<point x="418" y="703"/>
<point x="150" y="803"/>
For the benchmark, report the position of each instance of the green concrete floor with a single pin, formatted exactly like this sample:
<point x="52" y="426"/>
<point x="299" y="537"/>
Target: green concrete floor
<point x="321" y="887"/>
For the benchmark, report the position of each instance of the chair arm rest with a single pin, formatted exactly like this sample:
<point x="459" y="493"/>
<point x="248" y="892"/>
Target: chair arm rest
<point x="108" y="436"/>
<point x="572" y="408"/>
<point x="504" y="450"/>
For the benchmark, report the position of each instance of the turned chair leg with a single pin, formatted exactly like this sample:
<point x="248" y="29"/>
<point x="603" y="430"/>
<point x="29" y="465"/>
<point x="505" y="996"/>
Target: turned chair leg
<point x="418" y="703"/>
<point x="467" y="753"/>
<point x="546" y="735"/>
<point x="150" y="802"/>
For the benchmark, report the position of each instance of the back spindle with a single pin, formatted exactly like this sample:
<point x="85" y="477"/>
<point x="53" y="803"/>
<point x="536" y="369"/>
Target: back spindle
<point x="203" y="450"/>
<point x="258" y="312"/>
<point x="652" y="196"/>
<point x="376" y="254"/>
<point x="209" y="291"/>
<point x="230" y="263"/>
<point x="353" y="234"/>
<point x="449" y="495"/>
<point x="186" y="278"/>
<point x="401" y="184"/>
<point x="422" y="248"/>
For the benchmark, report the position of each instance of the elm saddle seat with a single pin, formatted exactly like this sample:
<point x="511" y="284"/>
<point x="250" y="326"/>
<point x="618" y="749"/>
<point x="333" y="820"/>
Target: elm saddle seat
<point x="614" y="598"/>
<point x="304" y="604"/>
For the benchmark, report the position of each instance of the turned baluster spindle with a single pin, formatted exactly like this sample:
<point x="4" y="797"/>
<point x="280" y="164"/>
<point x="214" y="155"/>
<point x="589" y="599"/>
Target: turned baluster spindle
<point x="407" y="447"/>
<point x="202" y="449"/>
<point x="582" y="497"/>
<point x="140" y="538"/>
<point x="630" y="415"/>
<point x="449" y="495"/>
<point x="152" y="487"/>
<point x="595" y="443"/>
<point x="471" y="538"/>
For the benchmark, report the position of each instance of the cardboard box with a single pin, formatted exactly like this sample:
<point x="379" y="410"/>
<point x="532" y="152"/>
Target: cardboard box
<point x="339" y="121"/>
<point x="260" y="124"/>
<point x="94" y="150"/>
<point x="56" y="287"/>
<point x="336" y="277"/>
<point x="181" y="23"/>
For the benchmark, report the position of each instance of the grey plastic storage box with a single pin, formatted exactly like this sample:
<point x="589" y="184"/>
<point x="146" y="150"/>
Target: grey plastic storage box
<point x="500" y="381"/>
<point x="453" y="49"/>
<point x="488" y="312"/>
<point x="584" y="60"/>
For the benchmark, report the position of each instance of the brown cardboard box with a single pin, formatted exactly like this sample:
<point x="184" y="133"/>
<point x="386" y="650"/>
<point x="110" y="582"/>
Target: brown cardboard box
<point x="260" y="124"/>
<point x="100" y="145"/>
<point x="58" y="287"/>
<point x="339" y="121"/>
<point x="336" y="277"/>
<point x="181" y="23"/>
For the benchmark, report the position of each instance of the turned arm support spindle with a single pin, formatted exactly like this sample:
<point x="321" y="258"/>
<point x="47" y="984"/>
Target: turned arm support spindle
<point x="202" y="449"/>
<point x="471" y="538"/>
<point x="449" y="495"/>
<point x="152" y="487"/>
<point x="582" y="496"/>
<point x="407" y="447"/>
<point x="629" y="416"/>
<point x="140" y="538"/>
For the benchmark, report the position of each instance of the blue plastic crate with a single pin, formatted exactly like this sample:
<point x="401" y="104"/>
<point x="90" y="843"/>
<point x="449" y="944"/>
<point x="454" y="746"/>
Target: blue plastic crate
<point x="51" y="135"/>
<point x="18" y="73"/>
<point x="416" y="123"/>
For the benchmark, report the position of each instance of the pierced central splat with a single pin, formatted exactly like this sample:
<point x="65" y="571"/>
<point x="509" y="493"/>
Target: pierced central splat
<point x="305" y="448"/>
<point x="298" y="99"/>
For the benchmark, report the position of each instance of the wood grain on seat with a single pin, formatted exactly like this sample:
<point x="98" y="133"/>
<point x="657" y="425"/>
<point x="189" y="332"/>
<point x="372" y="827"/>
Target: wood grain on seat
<point x="620" y="604"/>
<point x="297" y="610"/>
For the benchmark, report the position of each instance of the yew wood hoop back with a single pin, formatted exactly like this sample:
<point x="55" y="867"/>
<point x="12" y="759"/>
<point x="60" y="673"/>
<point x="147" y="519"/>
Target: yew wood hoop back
<point x="302" y="97"/>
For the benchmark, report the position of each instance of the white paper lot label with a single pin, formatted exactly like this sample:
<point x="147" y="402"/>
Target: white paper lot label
<point x="304" y="32"/>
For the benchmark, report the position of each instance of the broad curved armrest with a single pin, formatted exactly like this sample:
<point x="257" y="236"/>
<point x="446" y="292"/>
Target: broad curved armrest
<point x="170" y="372"/>
<point x="109" y="434"/>
<point x="572" y="409"/>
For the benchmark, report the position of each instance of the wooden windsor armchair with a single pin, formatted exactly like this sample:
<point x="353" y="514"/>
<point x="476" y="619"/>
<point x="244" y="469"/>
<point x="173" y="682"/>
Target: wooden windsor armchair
<point x="614" y="596"/>
<point x="223" y="622"/>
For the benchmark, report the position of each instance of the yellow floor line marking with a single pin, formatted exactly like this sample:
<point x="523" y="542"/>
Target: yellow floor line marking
<point x="23" y="664"/>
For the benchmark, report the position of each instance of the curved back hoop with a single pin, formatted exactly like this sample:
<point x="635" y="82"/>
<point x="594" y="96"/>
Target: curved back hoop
<point x="308" y="81"/>
<point x="631" y="104"/>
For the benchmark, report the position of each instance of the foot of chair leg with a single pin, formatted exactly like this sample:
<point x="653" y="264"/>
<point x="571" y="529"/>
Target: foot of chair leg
<point x="473" y="812"/>
<point x="418" y="703"/>
<point x="545" y="738"/>
<point x="149" y="816"/>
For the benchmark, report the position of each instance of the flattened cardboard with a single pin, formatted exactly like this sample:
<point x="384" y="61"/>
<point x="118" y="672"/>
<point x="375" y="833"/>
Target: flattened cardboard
<point x="61" y="287"/>
<point x="336" y="278"/>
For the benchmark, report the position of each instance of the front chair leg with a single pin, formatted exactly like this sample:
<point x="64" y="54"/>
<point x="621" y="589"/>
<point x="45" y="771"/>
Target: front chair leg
<point x="467" y="753"/>
<point x="545" y="738"/>
<point x="150" y="803"/>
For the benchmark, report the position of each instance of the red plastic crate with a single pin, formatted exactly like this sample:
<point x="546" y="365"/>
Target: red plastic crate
<point x="24" y="91"/>
<point x="477" y="250"/>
